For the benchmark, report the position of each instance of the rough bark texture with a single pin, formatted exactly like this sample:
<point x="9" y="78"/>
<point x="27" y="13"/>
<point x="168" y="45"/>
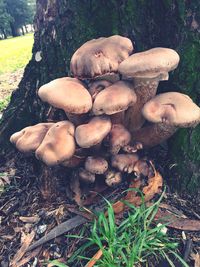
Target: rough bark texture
<point x="63" y="25"/>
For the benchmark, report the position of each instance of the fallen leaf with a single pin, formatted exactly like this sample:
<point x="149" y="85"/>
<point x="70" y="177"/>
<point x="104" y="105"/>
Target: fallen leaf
<point x="154" y="185"/>
<point x="32" y="254"/>
<point x="95" y="258"/>
<point x="196" y="258"/>
<point x="177" y="222"/>
<point x="20" y="253"/>
<point x="32" y="219"/>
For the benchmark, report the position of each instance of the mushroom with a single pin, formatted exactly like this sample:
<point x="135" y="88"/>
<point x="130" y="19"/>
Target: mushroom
<point x="95" y="87"/>
<point x="167" y="112"/>
<point x="146" y="69"/>
<point x="96" y="165"/>
<point x="30" y="138"/>
<point x="93" y="166"/>
<point x="68" y="94"/>
<point x="113" y="177"/>
<point x="92" y="133"/>
<point x="118" y="138"/>
<point x="58" y="145"/>
<point x="100" y="57"/>
<point x="124" y="162"/>
<point x="86" y="176"/>
<point x="114" y="99"/>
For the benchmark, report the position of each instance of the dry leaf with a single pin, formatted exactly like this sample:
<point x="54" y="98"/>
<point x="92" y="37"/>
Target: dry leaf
<point x="20" y="253"/>
<point x="177" y="222"/>
<point x="154" y="187"/>
<point x="196" y="258"/>
<point x="32" y="254"/>
<point x="31" y="219"/>
<point x="94" y="259"/>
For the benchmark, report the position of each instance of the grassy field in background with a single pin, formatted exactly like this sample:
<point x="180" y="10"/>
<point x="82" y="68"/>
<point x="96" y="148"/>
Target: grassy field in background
<point x="15" y="53"/>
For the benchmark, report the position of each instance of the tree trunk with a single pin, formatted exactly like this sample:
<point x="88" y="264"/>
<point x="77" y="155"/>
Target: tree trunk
<point x="26" y="29"/>
<point x="61" y="26"/>
<point x="14" y="30"/>
<point x="4" y="33"/>
<point x="22" y="28"/>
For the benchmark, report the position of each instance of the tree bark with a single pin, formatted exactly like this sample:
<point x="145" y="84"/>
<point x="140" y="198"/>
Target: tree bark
<point x="61" y="26"/>
<point x="14" y="30"/>
<point x="4" y="33"/>
<point x="22" y="28"/>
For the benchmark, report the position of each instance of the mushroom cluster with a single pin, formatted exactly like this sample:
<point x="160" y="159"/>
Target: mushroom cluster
<point x="111" y="111"/>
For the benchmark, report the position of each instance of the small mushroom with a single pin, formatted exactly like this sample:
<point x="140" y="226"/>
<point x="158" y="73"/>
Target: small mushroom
<point x="86" y="176"/>
<point x="93" y="166"/>
<point x="96" y="165"/>
<point x="124" y="162"/>
<point x="68" y="94"/>
<point x="30" y="138"/>
<point x="100" y="57"/>
<point x="96" y="87"/>
<point x="167" y="112"/>
<point x="146" y="69"/>
<point x="113" y="177"/>
<point x="118" y="138"/>
<point x="58" y="145"/>
<point x="115" y="98"/>
<point x="92" y="133"/>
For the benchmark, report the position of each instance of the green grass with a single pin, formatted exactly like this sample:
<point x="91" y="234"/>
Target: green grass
<point x="137" y="239"/>
<point x="4" y="103"/>
<point x="15" y="53"/>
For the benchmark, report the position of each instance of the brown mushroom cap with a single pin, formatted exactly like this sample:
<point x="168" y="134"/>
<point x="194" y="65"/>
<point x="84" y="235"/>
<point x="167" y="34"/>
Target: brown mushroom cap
<point x="93" y="133"/>
<point x="100" y="56"/>
<point x="118" y="137"/>
<point x="96" y="165"/>
<point x="114" y="99"/>
<point x="172" y="108"/>
<point x="86" y="176"/>
<point x="150" y="64"/>
<point x="58" y="144"/>
<point x="97" y="86"/>
<point x="29" y="138"/>
<point x="113" y="177"/>
<point x="125" y="162"/>
<point x="68" y="94"/>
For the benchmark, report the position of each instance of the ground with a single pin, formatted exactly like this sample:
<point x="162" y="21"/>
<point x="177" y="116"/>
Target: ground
<point x="16" y="52"/>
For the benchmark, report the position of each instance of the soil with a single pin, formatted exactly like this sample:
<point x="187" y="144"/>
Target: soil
<point x="25" y="217"/>
<point x="9" y="82"/>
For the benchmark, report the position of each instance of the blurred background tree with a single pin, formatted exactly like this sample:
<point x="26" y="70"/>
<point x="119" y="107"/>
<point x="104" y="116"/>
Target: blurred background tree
<point x="15" y="15"/>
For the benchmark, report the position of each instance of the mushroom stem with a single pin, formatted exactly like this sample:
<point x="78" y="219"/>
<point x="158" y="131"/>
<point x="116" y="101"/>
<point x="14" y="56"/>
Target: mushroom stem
<point x="118" y="118"/>
<point x="145" y="89"/>
<point x="48" y="183"/>
<point x="153" y="134"/>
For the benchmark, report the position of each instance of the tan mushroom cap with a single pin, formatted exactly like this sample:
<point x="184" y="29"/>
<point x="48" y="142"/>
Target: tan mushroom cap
<point x="86" y="176"/>
<point x="68" y="94"/>
<point x="150" y="63"/>
<point x="58" y="144"/>
<point x="115" y="98"/>
<point x="100" y="56"/>
<point x="119" y="137"/>
<point x="93" y="133"/>
<point x="96" y="165"/>
<point x="97" y="86"/>
<point x="125" y="162"/>
<point x="172" y="108"/>
<point x="30" y="138"/>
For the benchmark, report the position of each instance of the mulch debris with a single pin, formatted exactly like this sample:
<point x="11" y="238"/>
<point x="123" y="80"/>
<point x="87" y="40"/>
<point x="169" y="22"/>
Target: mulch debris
<point x="25" y="218"/>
